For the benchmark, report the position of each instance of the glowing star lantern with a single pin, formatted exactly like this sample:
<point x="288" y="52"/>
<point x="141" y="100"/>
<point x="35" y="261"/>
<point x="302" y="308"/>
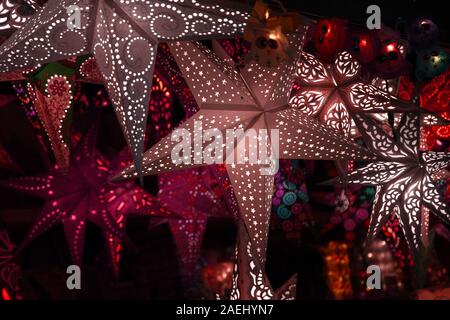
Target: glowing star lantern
<point x="329" y="38"/>
<point x="123" y="35"/>
<point x="335" y="93"/>
<point x="255" y="98"/>
<point x="83" y="194"/>
<point x="190" y="194"/>
<point x="249" y="280"/>
<point x="404" y="179"/>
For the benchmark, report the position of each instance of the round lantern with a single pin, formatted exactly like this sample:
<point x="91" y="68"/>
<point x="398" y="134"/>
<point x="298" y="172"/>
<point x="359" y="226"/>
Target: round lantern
<point x="422" y="33"/>
<point x="329" y="38"/>
<point x="269" y="47"/>
<point x="390" y="62"/>
<point x="431" y="63"/>
<point x="364" y="46"/>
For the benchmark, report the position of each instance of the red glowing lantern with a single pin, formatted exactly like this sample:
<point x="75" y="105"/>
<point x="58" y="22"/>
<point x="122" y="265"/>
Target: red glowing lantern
<point x="364" y="46"/>
<point x="329" y="38"/>
<point x="390" y="62"/>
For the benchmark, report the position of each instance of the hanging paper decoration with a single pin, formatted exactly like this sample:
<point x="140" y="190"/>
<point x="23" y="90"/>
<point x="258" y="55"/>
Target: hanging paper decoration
<point x="48" y="94"/>
<point x="231" y="99"/>
<point x="338" y="270"/>
<point x="52" y="108"/>
<point x="9" y="270"/>
<point x="125" y="52"/>
<point x="335" y="93"/>
<point x="329" y="38"/>
<point x="422" y="33"/>
<point x="431" y="62"/>
<point x="83" y="193"/>
<point x="249" y="280"/>
<point x="191" y="194"/>
<point x="404" y="179"/>
<point x="266" y="33"/>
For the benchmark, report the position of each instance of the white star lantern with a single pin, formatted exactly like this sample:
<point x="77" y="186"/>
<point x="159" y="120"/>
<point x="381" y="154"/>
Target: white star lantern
<point x="404" y="178"/>
<point x="123" y="35"/>
<point x="253" y="98"/>
<point x="334" y="92"/>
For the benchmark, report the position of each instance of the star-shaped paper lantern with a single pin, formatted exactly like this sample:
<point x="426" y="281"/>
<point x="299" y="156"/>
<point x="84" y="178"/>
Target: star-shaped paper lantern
<point x="336" y="91"/>
<point x="257" y="98"/>
<point x="123" y="35"/>
<point x="249" y="280"/>
<point x="83" y="193"/>
<point x="194" y="195"/>
<point x="404" y="178"/>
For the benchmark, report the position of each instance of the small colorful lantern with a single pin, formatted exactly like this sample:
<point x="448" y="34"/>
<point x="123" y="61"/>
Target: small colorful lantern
<point x="423" y="33"/>
<point x="329" y="38"/>
<point x="364" y="46"/>
<point x="390" y="62"/>
<point x="431" y="63"/>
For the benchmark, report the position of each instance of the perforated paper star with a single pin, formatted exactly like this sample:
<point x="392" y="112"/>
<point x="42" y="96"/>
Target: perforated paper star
<point x="249" y="280"/>
<point x="83" y="194"/>
<point x="404" y="178"/>
<point x="334" y="92"/>
<point x="123" y="35"/>
<point x="256" y="98"/>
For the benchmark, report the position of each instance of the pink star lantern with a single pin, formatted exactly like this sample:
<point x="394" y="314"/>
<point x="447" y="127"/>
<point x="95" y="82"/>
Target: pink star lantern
<point x="334" y="92"/>
<point x="195" y="195"/>
<point x="83" y="193"/>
